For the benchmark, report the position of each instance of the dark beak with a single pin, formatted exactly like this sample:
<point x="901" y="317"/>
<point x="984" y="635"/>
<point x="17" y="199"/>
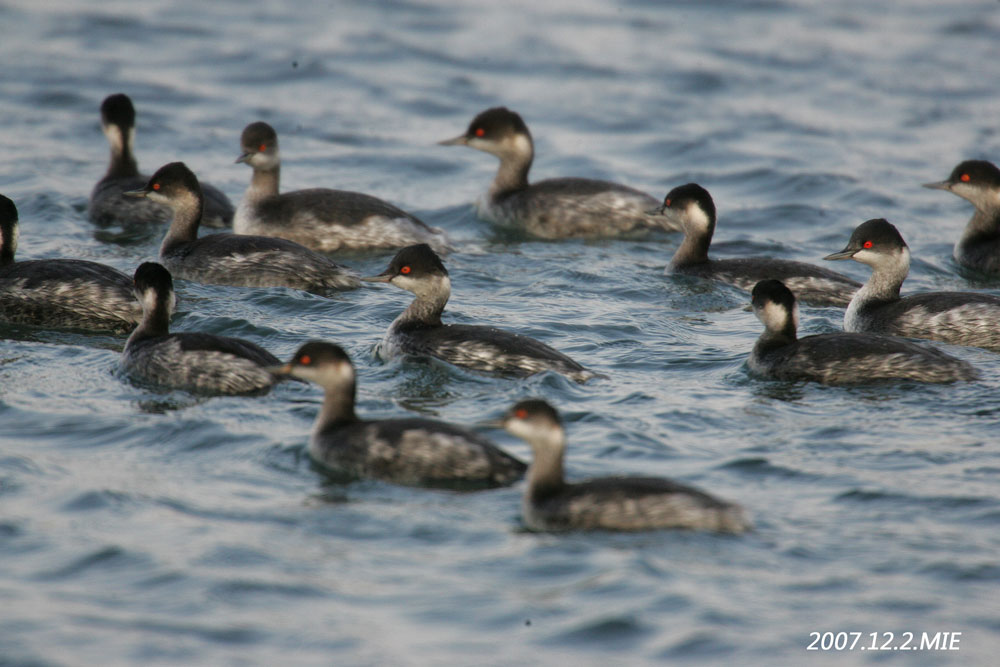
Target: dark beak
<point x="285" y="369"/>
<point x="380" y="278"/>
<point x="135" y="193"/>
<point x="940" y="185"/>
<point x="244" y="157"/>
<point x="846" y="253"/>
<point x="460" y="140"/>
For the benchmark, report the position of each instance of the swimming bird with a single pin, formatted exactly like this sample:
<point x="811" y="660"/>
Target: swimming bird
<point x="411" y="451"/>
<point x="232" y="259"/>
<point x="693" y="209"/>
<point x="319" y="218"/>
<point x="554" y="208"/>
<point x="841" y="357"/>
<point x="960" y="318"/>
<point x="72" y="293"/>
<point x="977" y="181"/>
<point x="197" y="362"/>
<point x="107" y="206"/>
<point x="606" y="503"/>
<point x="419" y="330"/>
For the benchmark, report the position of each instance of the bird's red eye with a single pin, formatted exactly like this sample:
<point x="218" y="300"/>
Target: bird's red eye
<point x="867" y="244"/>
<point x="262" y="148"/>
<point x="406" y="269"/>
<point x="305" y="360"/>
<point x="964" y="178"/>
<point x="521" y="413"/>
<point x="480" y="132"/>
<point x="666" y="202"/>
<point x="156" y="186"/>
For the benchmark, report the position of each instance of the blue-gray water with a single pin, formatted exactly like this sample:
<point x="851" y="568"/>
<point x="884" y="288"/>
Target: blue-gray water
<point x="139" y="527"/>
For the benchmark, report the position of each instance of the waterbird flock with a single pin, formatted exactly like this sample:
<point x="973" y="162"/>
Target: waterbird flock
<point x="286" y="239"/>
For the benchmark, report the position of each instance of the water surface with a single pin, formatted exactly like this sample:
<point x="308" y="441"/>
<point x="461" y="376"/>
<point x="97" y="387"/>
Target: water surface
<point x="141" y="527"/>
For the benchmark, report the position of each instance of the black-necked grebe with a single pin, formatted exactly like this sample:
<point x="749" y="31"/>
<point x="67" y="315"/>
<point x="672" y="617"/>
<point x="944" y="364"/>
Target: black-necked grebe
<point x="978" y="181"/>
<point x="411" y="451"/>
<point x="108" y="206"/>
<point x="554" y="208"/>
<point x="319" y="218"/>
<point x="607" y="503"/>
<point x="72" y="293"/>
<point x="692" y="207"/>
<point x="419" y="331"/>
<point x="233" y="259"/>
<point x="198" y="362"/>
<point x="961" y="318"/>
<point x="842" y="357"/>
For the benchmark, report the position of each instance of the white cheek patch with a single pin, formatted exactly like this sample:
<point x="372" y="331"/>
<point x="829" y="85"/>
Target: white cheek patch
<point x="149" y="299"/>
<point x="981" y="197"/>
<point x="874" y="258"/>
<point x="536" y="431"/>
<point x="329" y="375"/>
<point x="865" y="256"/>
<point x="440" y="285"/>
<point x="519" y="428"/>
<point x="775" y="317"/>
<point x="521" y="145"/>
<point x="265" y="160"/>
<point x="154" y="195"/>
<point x="423" y="287"/>
<point x="115" y="138"/>
<point x="696" y="217"/>
<point x="14" y="238"/>
<point x="405" y="282"/>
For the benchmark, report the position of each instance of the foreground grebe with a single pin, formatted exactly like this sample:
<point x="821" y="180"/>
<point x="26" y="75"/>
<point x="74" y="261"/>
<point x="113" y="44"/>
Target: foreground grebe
<point x="70" y="293"/>
<point x="233" y="259"/>
<point x="107" y="206"/>
<point x="412" y="451"/>
<point x="961" y="318"/>
<point x="198" y="362"/>
<point x="419" y="331"/>
<point x="979" y="182"/>
<point x="842" y="357"/>
<point x="319" y="218"/>
<point x="607" y="503"/>
<point x="555" y="208"/>
<point x="691" y="207"/>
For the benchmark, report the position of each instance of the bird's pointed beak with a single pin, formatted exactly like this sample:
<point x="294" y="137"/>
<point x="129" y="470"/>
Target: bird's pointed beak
<point x="663" y="210"/>
<point x="846" y="253"/>
<point x="939" y="185"/>
<point x="380" y="278"/>
<point x="460" y="140"/>
<point x="135" y="194"/>
<point x="244" y="157"/>
<point x="284" y="369"/>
